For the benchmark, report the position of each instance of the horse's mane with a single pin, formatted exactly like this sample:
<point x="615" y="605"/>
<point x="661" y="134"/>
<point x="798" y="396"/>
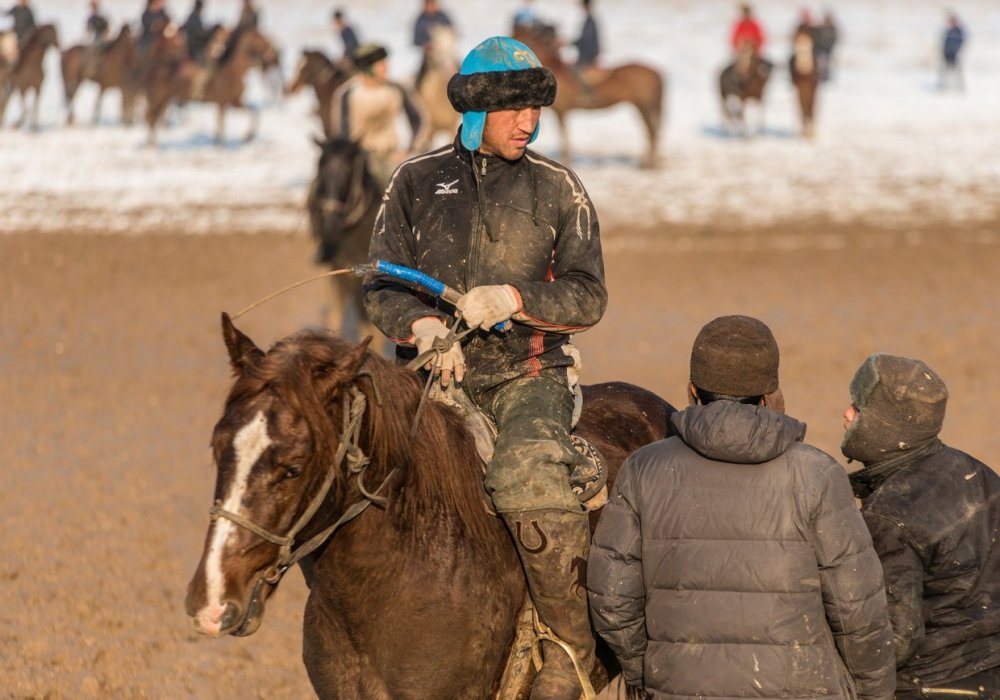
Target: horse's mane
<point x="438" y="484"/>
<point x="232" y="42"/>
<point x="318" y="54"/>
<point x="43" y="34"/>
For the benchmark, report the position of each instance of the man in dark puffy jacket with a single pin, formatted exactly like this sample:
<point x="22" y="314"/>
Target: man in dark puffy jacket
<point x="731" y="560"/>
<point x="934" y="516"/>
<point x="517" y="235"/>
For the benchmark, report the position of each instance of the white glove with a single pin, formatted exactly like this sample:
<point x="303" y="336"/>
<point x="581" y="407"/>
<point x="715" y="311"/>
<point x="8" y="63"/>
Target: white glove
<point x="450" y="361"/>
<point x="489" y="305"/>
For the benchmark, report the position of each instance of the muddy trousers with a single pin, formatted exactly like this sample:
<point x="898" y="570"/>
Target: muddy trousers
<point x="553" y="546"/>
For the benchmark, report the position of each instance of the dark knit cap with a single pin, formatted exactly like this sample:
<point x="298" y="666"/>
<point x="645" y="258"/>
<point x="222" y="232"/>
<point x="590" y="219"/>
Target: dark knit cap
<point x="735" y="355"/>
<point x="367" y="55"/>
<point x="901" y="404"/>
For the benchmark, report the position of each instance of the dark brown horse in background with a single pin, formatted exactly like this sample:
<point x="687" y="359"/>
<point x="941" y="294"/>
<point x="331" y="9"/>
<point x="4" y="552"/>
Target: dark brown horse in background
<point x="343" y="200"/>
<point x="805" y="76"/>
<point x="28" y="73"/>
<point x="110" y="66"/>
<point x="415" y="597"/>
<point x="173" y="78"/>
<point x="635" y="83"/>
<point x="742" y="83"/>
<point x="324" y="77"/>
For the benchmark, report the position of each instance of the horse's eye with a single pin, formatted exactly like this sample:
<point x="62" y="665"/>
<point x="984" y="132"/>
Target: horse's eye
<point x="292" y="471"/>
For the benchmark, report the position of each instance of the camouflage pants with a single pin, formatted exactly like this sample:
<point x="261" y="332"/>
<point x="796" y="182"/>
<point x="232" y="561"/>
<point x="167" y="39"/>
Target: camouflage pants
<point x="533" y="455"/>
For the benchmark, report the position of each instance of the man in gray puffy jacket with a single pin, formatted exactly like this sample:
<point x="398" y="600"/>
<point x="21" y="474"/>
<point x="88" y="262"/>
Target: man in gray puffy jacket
<point x="731" y="560"/>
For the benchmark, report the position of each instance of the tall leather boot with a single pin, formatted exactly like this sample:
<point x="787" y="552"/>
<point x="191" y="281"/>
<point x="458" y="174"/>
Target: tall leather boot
<point x="553" y="546"/>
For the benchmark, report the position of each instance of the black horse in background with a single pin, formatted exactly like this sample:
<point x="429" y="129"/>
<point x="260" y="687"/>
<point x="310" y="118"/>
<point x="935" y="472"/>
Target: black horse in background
<point x="343" y="201"/>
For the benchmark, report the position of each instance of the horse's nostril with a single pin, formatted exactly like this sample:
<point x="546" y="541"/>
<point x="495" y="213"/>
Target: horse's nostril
<point x="230" y="615"/>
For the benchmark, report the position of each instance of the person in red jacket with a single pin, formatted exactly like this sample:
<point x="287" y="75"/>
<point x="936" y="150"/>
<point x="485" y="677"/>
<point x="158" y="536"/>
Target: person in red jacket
<point x="747" y="30"/>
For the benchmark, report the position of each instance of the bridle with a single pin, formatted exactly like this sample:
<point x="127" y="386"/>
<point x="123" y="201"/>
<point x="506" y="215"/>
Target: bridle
<point x="354" y="404"/>
<point x="356" y="204"/>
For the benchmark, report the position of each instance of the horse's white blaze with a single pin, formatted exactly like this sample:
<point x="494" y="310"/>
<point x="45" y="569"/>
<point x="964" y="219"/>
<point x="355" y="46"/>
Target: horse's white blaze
<point x="249" y="444"/>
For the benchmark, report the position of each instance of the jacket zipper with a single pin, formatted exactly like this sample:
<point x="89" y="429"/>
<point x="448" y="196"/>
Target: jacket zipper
<point x="472" y="276"/>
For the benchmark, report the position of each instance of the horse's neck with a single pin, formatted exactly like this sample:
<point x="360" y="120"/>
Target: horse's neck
<point x="744" y="60"/>
<point x="803" y="53"/>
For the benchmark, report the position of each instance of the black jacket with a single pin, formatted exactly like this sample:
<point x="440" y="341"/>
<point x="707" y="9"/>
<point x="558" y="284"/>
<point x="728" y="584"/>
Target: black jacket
<point x="935" y="522"/>
<point x="528" y="223"/>
<point x="731" y="562"/>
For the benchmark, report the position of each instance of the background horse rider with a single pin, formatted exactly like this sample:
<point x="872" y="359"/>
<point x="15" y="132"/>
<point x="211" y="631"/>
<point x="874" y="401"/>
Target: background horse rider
<point x="747" y="42"/>
<point x="366" y="108"/>
<point x="430" y="18"/>
<point x="588" y="46"/>
<point x="24" y="21"/>
<point x="98" y="28"/>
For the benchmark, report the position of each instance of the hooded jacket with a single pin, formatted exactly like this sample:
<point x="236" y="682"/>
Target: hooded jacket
<point x="934" y="520"/>
<point x="469" y="219"/>
<point x="731" y="562"/>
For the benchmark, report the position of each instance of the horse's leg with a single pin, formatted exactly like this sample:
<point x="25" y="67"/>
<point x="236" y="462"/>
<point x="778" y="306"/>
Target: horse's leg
<point x="336" y="669"/>
<point x="97" y="105"/>
<point x="70" y="86"/>
<point x="564" y="150"/>
<point x="35" y="100"/>
<point x="651" y="120"/>
<point x="254" y="123"/>
<point x="809" y="104"/>
<point x="128" y="104"/>
<point x="220" y="124"/>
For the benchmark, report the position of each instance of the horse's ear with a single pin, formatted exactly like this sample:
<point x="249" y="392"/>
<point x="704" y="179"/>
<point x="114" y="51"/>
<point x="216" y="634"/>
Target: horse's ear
<point x="352" y="363"/>
<point x="342" y="370"/>
<point x="242" y="351"/>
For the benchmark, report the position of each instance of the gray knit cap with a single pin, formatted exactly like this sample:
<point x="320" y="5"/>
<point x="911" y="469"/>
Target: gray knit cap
<point x="901" y="404"/>
<point x="735" y="355"/>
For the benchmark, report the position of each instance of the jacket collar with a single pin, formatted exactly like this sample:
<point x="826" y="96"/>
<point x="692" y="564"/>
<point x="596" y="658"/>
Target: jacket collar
<point x="726" y="431"/>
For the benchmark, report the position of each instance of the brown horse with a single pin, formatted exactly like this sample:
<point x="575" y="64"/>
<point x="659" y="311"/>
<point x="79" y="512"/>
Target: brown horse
<point x="805" y="76"/>
<point x="635" y="83"/>
<point x="416" y="597"/>
<point x="172" y="77"/>
<point x="28" y="73"/>
<point x="324" y="77"/>
<point x="110" y="66"/>
<point x="741" y="83"/>
<point x="440" y="65"/>
<point x="343" y="201"/>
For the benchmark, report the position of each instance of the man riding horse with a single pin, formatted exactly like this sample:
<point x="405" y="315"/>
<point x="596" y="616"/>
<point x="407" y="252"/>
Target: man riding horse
<point x="747" y="42"/>
<point x="532" y="256"/>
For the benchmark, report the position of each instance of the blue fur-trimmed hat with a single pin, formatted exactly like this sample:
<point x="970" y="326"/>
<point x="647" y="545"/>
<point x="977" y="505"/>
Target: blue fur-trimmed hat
<point x="500" y="73"/>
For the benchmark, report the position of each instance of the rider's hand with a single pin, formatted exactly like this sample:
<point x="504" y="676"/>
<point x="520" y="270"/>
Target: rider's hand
<point x="489" y="305"/>
<point x="449" y="360"/>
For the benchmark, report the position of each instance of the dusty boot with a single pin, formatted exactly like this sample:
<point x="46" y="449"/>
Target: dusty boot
<point x="553" y="546"/>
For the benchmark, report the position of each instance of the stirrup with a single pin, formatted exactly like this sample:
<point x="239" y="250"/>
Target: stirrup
<point x="544" y="633"/>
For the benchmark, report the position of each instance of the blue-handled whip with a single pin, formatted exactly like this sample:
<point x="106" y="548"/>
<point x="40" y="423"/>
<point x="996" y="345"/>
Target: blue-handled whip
<point x="408" y="274"/>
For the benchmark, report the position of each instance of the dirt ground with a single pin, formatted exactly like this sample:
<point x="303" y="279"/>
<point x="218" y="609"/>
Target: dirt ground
<point x="113" y="372"/>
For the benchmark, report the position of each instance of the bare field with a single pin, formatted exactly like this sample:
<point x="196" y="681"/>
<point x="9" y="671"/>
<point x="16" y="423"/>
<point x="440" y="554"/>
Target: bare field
<point x="113" y="372"/>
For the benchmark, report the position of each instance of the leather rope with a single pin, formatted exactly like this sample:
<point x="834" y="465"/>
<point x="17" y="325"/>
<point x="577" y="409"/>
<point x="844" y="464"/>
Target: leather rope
<point x="544" y="633"/>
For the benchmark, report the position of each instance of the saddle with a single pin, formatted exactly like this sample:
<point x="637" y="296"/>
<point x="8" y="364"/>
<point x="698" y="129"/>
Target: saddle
<point x="589" y="476"/>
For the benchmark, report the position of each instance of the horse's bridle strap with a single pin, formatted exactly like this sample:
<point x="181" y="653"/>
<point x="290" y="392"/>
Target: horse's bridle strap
<point x="217" y="511"/>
